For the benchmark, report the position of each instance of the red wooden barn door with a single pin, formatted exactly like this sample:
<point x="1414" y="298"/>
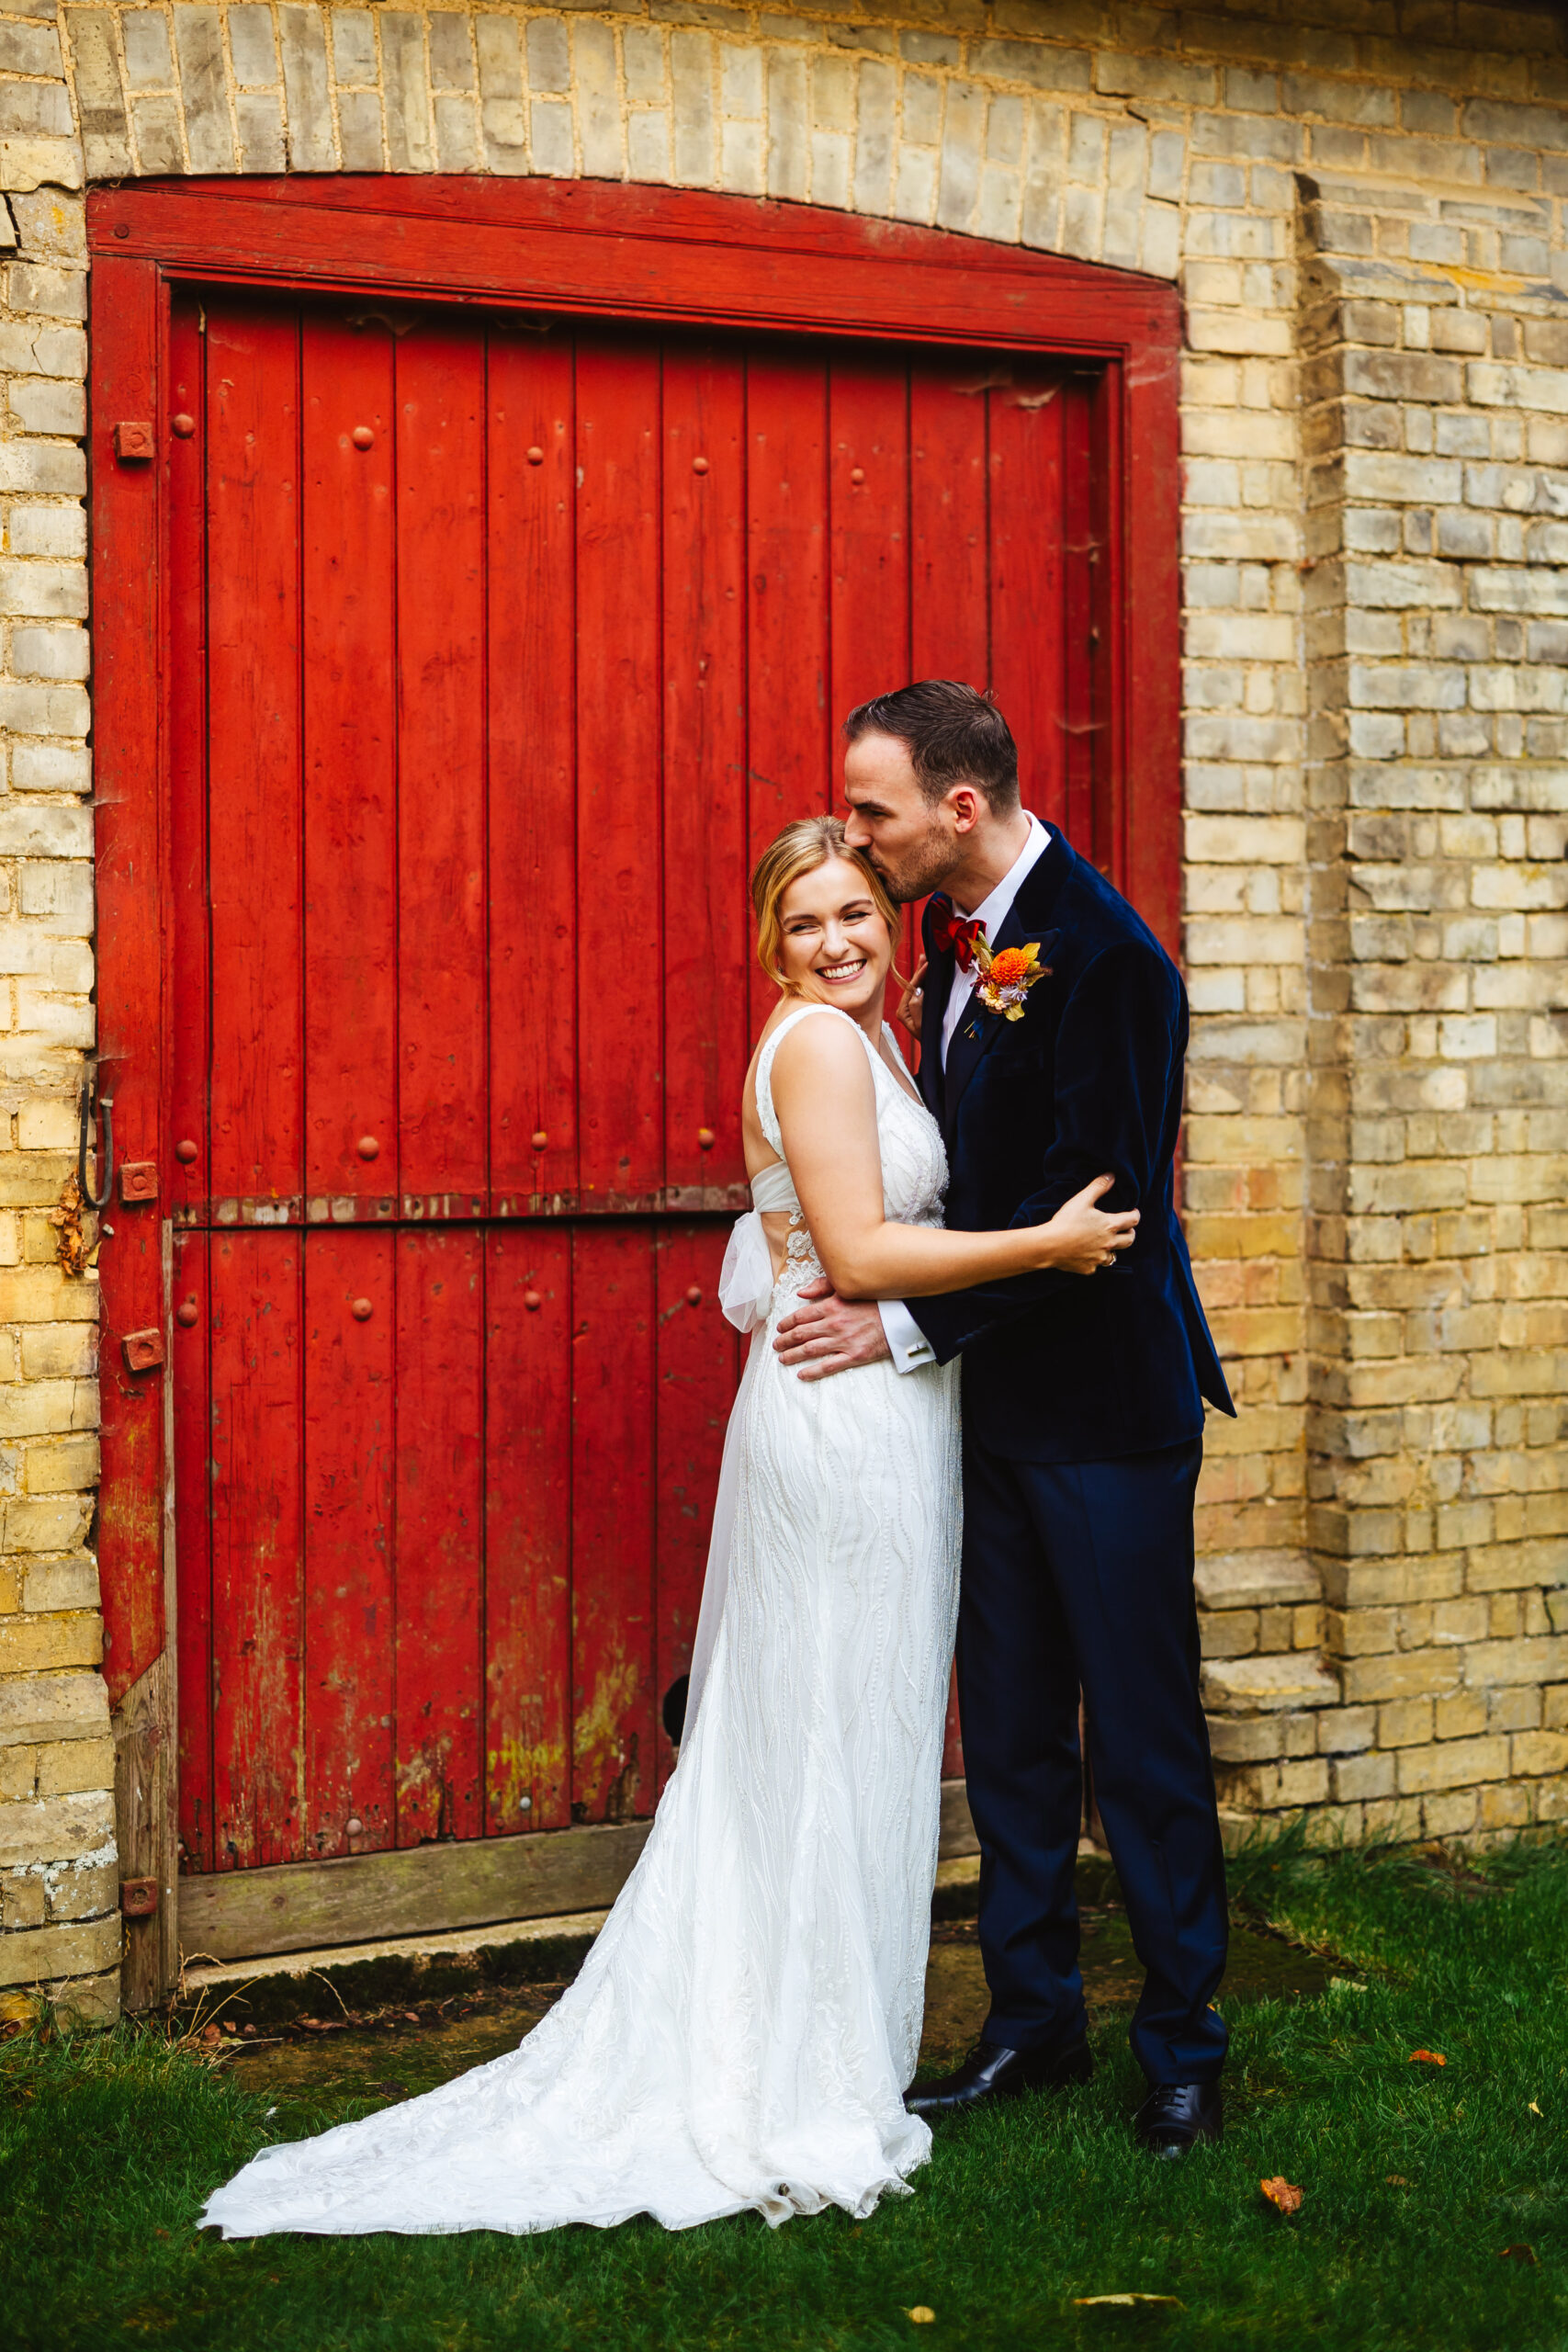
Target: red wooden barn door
<point x="498" y="656"/>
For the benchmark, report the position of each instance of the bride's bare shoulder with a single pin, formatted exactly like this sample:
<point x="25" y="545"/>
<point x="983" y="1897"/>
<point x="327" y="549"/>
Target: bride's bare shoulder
<point x="824" y="1053"/>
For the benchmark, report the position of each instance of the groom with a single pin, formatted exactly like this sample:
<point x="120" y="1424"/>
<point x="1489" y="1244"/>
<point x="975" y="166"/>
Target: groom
<point x="1083" y="1412"/>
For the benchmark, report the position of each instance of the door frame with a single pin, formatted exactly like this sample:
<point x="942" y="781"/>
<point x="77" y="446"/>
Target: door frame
<point x="596" y="249"/>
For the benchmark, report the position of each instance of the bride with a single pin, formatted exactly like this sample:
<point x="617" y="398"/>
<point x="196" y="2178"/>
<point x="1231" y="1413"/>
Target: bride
<point x="742" y="2032"/>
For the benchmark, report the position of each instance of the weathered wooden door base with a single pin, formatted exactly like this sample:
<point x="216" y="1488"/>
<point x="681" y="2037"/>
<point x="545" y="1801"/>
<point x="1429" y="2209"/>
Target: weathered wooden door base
<point x="570" y="251"/>
<point x="481" y="1883"/>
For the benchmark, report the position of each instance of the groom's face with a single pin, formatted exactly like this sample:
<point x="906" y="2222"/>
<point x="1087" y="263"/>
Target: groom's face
<point x="913" y="844"/>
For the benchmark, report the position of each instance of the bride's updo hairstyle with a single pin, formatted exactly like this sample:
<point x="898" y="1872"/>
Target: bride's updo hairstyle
<point x="801" y="848"/>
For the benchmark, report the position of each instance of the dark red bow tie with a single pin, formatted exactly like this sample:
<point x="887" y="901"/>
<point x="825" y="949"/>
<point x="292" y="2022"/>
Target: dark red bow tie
<point x="954" y="931"/>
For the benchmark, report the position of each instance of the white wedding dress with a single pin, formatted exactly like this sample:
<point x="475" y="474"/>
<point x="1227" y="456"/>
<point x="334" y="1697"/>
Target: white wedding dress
<point x="742" y="2033"/>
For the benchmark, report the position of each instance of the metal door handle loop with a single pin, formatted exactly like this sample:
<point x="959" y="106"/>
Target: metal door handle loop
<point x="105" y="1106"/>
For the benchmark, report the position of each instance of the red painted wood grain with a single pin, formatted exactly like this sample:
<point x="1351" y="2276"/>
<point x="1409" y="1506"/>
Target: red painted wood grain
<point x="189" y="1024"/>
<point x="1027" y="549"/>
<point x="350" y="1372"/>
<point x="257" y="1551"/>
<point x="533" y="914"/>
<point x="255" y="817"/>
<point x="442" y="1045"/>
<point x="637" y="252"/>
<point x="868" y="472"/>
<point x="614" y="1767"/>
<point x="1081" y="556"/>
<point x="190" y="1370"/>
<point x="440" y="1534"/>
<point x="705" y="1035"/>
<point x="348" y="655"/>
<point x="190" y="992"/>
<point x="620" y="1088"/>
<point x="528" y="1525"/>
<point x="949" y="550"/>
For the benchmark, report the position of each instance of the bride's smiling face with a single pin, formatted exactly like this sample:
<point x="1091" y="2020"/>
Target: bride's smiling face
<point x="833" y="945"/>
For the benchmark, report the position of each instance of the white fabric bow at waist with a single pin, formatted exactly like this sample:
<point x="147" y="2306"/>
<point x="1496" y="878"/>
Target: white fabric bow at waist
<point x="745" y="1278"/>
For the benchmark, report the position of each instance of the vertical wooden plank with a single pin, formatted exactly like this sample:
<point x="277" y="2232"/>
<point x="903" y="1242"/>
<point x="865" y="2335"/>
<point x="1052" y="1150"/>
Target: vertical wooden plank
<point x="1084" y="818"/>
<point x="696" y="1363"/>
<point x="258" y="1579"/>
<point x="708" y="1043"/>
<point x="1025" y="453"/>
<point x="620" y="1071"/>
<point x="527" y="1600"/>
<point x="191" y="1373"/>
<point x="350" y="839"/>
<point x="439" y="1508"/>
<point x="948" y="599"/>
<point x="789" y="763"/>
<point x="613" y="1772"/>
<point x="1105" y="692"/>
<point x="128" y="689"/>
<point x="1144" y="526"/>
<point x="868" y="433"/>
<point x="190" y="949"/>
<point x="442" y="1050"/>
<point x="185" y="1180"/>
<point x="529" y="558"/>
<point x="347" y="1442"/>
<point x="253" y="756"/>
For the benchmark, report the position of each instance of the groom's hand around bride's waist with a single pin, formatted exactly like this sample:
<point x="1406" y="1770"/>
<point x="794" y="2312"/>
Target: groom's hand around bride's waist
<point x="826" y="1334"/>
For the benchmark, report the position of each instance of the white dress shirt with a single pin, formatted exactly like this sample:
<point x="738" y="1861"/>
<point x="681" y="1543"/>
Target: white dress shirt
<point x="908" y="1344"/>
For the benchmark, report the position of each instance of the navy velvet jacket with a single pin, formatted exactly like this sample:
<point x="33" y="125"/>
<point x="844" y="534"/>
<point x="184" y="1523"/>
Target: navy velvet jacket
<point x="1063" y="1367"/>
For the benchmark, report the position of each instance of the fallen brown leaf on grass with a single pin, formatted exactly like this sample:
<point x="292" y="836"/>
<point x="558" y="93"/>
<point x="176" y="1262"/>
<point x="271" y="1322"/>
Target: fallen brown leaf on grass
<point x="1283" y="2193"/>
<point x="1396" y="2180"/>
<point x="1515" y="2254"/>
<point x="1130" y="2298"/>
<point x="1427" y="2058"/>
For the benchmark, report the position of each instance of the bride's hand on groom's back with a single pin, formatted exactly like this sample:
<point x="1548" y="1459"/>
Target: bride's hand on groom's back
<point x="1082" y="1238"/>
<point x="912" y="1002"/>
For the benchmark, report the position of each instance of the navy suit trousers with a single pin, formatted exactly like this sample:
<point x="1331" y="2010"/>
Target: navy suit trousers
<point x="1080" y="1573"/>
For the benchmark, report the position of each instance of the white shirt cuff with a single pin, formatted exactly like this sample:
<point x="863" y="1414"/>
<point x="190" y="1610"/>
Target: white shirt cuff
<point x="908" y="1344"/>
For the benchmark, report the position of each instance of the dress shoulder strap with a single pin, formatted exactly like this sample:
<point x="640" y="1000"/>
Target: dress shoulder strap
<point x="767" y="1118"/>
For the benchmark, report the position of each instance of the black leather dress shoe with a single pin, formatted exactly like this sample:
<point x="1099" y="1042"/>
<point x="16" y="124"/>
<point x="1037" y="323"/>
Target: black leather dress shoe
<point x="990" y="2073"/>
<point x="1176" y="2116"/>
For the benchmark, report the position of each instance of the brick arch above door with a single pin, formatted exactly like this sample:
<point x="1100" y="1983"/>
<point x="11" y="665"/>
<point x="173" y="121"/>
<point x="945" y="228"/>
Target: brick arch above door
<point x="999" y="138"/>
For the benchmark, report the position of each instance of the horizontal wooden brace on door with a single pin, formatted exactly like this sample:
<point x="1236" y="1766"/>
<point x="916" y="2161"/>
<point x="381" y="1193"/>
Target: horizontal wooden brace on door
<point x="301" y="1906"/>
<point x="460" y="1208"/>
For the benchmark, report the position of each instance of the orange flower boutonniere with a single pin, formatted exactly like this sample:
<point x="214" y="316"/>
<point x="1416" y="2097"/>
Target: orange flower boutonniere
<point x="1007" y="975"/>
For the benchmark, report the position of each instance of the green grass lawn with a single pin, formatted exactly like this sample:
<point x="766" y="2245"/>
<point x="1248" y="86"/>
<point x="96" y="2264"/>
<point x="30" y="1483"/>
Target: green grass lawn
<point x="1415" y="2178"/>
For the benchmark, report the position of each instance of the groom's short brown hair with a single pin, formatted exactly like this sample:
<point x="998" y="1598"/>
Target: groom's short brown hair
<point x="954" y="735"/>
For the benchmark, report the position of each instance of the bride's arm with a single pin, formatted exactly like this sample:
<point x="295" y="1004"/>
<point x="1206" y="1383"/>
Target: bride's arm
<point x="825" y="1099"/>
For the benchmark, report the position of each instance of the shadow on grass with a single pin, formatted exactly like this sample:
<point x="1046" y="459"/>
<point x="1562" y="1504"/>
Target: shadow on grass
<point x="1415" y="2176"/>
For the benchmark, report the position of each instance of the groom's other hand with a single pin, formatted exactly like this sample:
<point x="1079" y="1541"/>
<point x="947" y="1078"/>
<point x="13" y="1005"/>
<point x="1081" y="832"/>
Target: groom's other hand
<point x="828" y="1334"/>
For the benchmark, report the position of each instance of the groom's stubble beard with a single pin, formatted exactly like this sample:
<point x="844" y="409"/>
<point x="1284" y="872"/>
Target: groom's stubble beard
<point x="922" y="869"/>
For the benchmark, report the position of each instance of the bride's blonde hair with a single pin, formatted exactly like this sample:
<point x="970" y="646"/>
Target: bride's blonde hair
<point x="804" y="845"/>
